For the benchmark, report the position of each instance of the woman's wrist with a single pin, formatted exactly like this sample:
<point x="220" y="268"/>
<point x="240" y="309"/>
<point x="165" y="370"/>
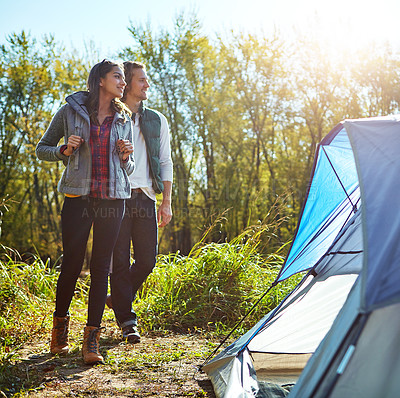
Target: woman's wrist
<point x="63" y="150"/>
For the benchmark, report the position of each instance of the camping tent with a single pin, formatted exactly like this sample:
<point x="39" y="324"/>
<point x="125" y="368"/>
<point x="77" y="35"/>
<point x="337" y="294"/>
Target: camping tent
<point x="346" y="238"/>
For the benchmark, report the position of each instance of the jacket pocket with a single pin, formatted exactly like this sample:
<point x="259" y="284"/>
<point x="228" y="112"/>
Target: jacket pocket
<point x="74" y="176"/>
<point x="73" y="161"/>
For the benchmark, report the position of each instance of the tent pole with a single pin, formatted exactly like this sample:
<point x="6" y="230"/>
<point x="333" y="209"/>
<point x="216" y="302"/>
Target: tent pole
<point x="359" y="323"/>
<point x="340" y="182"/>
<point x="237" y="325"/>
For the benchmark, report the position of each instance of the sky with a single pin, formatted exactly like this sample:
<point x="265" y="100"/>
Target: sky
<point x="76" y="23"/>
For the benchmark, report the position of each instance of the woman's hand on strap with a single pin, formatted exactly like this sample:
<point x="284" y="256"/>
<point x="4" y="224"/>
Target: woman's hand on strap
<point x="74" y="142"/>
<point x="125" y="148"/>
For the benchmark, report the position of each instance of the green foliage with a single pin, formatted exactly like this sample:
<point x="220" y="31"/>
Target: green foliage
<point x="25" y="291"/>
<point x="27" y="295"/>
<point x="245" y="111"/>
<point x="35" y="77"/>
<point x="211" y="288"/>
<point x="214" y="286"/>
<point x="208" y="290"/>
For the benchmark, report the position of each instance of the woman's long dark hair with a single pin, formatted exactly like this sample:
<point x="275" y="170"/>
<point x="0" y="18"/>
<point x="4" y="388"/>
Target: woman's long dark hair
<point x="98" y="72"/>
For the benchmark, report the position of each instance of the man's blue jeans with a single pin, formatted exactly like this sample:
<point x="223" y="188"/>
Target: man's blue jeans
<point x="139" y="226"/>
<point x="77" y="217"/>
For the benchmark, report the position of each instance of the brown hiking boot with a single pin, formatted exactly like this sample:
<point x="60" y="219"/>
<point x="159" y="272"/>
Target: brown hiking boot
<point x="109" y="302"/>
<point x="90" y="346"/>
<point x="59" y="335"/>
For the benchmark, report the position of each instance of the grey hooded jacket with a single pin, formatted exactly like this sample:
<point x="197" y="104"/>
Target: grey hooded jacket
<point x="73" y="119"/>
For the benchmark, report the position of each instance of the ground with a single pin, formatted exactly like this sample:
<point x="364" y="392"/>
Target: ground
<point x="163" y="364"/>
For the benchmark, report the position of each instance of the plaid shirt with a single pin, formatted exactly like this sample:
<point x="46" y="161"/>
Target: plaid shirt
<point x="100" y="148"/>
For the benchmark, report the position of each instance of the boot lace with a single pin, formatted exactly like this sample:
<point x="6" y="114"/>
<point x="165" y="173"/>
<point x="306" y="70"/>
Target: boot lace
<point x="62" y="334"/>
<point x="93" y="345"/>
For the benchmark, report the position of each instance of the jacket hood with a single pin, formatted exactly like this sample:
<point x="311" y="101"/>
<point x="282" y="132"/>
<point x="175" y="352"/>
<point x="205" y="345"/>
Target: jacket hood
<point x="77" y="101"/>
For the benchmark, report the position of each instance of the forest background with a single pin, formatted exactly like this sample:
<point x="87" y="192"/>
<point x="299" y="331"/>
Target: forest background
<point x="246" y="112"/>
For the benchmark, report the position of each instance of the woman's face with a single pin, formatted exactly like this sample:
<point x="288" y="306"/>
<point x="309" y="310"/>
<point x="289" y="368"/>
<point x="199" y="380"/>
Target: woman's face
<point x="113" y="83"/>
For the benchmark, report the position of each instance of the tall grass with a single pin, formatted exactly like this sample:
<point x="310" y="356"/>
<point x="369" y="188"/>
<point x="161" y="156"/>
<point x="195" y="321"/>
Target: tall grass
<point x="27" y="294"/>
<point x="26" y="289"/>
<point x="214" y="285"/>
<point x="210" y="289"/>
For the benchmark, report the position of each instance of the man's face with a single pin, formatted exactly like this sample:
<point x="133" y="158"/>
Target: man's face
<point x="138" y="85"/>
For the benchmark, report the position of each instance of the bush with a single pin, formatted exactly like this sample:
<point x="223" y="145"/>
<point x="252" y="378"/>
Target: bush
<point x="214" y="286"/>
<point x="25" y="291"/>
<point x="210" y="289"/>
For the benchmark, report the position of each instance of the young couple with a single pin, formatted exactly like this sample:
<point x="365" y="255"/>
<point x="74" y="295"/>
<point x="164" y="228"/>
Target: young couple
<point x="111" y="187"/>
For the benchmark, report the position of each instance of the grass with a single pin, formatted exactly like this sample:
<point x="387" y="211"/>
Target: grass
<point x="206" y="292"/>
<point x="213" y="286"/>
<point x="217" y="283"/>
<point x="24" y="295"/>
<point x="27" y="293"/>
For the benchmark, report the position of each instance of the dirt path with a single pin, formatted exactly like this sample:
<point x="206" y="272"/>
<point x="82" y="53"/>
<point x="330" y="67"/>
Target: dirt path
<point x="160" y="366"/>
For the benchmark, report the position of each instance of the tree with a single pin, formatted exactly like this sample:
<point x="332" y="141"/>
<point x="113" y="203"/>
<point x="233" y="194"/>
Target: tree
<point x="168" y="58"/>
<point x="375" y="77"/>
<point x="35" y="79"/>
<point x="256" y="67"/>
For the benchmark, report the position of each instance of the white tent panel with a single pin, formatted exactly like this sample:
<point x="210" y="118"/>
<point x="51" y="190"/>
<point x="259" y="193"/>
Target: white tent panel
<point x="235" y="378"/>
<point x="325" y="352"/>
<point x="301" y="326"/>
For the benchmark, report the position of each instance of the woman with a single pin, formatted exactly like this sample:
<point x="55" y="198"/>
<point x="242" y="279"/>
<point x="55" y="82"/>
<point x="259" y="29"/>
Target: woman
<point x="98" y="155"/>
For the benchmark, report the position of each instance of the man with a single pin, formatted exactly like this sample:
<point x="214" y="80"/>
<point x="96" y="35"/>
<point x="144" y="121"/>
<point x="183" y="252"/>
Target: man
<point x="153" y="174"/>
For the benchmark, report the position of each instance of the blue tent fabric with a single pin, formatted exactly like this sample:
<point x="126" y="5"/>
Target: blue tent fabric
<point x="327" y="205"/>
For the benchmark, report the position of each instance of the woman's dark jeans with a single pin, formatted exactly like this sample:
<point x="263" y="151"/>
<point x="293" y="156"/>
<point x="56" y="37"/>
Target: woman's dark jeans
<point x="140" y="226"/>
<point x="77" y="217"/>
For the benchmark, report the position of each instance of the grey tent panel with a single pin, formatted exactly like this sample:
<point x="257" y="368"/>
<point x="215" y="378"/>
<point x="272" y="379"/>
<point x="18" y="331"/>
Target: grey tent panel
<point x="376" y="144"/>
<point x="374" y="368"/>
<point x="234" y="378"/>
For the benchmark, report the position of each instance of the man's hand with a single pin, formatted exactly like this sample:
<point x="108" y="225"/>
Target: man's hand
<point x="74" y="142"/>
<point x="164" y="213"/>
<point x="125" y="147"/>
